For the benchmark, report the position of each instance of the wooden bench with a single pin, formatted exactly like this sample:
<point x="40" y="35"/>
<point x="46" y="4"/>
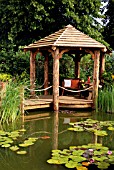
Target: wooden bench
<point x="71" y="84"/>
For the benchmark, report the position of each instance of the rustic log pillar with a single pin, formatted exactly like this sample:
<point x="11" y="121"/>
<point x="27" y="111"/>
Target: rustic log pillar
<point x="22" y="102"/>
<point x="102" y="65"/>
<point x="77" y="65"/>
<point x="55" y="130"/>
<point x="46" y="63"/>
<point x="56" y="80"/>
<point x="96" y="77"/>
<point x="32" y="73"/>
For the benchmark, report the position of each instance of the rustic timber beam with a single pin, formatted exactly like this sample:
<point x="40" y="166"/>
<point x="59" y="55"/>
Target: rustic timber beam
<point x="46" y="63"/>
<point x="90" y="52"/>
<point x="52" y="52"/>
<point x="96" y="77"/>
<point x="102" y="65"/>
<point x="77" y="65"/>
<point x="32" y="72"/>
<point x="60" y="53"/>
<point x="56" y="80"/>
<point x="55" y="130"/>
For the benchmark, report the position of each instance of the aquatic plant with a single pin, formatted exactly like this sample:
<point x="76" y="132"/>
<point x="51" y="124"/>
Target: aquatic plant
<point x="10" y="110"/>
<point x="106" y="99"/>
<point x="16" y="141"/>
<point x="80" y="157"/>
<point x="94" y="126"/>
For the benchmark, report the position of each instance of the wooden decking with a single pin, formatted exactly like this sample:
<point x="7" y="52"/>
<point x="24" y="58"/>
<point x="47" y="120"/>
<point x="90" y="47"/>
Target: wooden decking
<point x="64" y="102"/>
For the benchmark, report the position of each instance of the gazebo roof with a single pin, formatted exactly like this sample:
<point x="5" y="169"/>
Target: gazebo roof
<point x="68" y="37"/>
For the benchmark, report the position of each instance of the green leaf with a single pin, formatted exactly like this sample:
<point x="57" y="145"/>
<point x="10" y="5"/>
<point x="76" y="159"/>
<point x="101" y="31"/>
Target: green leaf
<point x="21" y="152"/>
<point x="14" y="148"/>
<point x="103" y="165"/>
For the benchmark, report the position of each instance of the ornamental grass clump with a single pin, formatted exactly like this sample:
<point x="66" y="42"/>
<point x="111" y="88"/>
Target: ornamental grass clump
<point x="106" y="99"/>
<point x="10" y="103"/>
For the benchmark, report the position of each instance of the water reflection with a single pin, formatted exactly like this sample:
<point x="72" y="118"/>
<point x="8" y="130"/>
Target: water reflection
<point x="55" y="130"/>
<point x="54" y="125"/>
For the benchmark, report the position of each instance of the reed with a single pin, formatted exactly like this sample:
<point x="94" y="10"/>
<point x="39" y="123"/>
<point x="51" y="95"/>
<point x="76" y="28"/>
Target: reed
<point x="106" y="99"/>
<point x="10" y="110"/>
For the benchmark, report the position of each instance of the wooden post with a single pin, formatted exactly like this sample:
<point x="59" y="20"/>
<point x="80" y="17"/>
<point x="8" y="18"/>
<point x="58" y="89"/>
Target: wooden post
<point x="96" y="77"/>
<point x="56" y="80"/>
<point x="46" y="63"/>
<point x="32" y="73"/>
<point x="102" y="64"/>
<point x="22" y="102"/>
<point x="77" y="66"/>
<point x="55" y="130"/>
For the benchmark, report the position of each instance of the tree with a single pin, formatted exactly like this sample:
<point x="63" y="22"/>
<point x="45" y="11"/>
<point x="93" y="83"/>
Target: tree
<point x="109" y="24"/>
<point x="23" y="22"/>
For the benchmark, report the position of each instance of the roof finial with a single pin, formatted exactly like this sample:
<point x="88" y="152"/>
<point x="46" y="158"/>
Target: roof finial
<point x="69" y="26"/>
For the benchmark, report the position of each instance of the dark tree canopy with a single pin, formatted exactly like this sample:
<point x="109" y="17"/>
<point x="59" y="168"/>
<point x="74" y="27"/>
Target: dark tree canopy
<point x="23" y="22"/>
<point x="109" y="21"/>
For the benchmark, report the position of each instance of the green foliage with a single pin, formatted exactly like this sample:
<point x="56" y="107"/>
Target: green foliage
<point x="5" y="77"/>
<point x="106" y="99"/>
<point x="10" y="110"/>
<point x="14" y="63"/>
<point x="109" y="66"/>
<point x="67" y="67"/>
<point x="86" y="67"/>
<point x="21" y="26"/>
<point x="109" y="23"/>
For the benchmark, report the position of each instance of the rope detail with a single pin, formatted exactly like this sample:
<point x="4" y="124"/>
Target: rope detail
<point x="61" y="88"/>
<point x="39" y="89"/>
<point x="76" y="90"/>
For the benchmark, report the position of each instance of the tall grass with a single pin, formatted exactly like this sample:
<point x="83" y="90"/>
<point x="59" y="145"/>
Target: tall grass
<point x="10" y="105"/>
<point x="106" y="99"/>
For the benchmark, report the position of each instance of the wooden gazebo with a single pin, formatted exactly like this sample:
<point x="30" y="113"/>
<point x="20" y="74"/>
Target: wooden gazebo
<point x="72" y="41"/>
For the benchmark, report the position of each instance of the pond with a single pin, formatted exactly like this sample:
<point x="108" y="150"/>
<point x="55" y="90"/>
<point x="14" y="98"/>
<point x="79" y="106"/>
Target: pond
<point x="52" y="133"/>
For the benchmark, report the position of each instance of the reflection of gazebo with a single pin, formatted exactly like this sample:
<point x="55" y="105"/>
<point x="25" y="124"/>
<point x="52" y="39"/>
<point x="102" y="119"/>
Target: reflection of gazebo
<point x="72" y="41"/>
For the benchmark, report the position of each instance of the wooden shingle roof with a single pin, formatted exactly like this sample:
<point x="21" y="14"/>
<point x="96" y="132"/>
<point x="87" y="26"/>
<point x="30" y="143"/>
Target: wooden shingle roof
<point x="69" y="36"/>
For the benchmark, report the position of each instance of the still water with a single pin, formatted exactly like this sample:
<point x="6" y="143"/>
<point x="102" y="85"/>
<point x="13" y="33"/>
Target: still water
<point x="53" y="134"/>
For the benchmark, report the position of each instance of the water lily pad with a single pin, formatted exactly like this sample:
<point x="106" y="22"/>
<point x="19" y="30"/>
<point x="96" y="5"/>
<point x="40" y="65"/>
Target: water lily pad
<point x="72" y="164"/>
<point x="85" y="163"/>
<point x="3" y="133"/>
<point x="6" y="145"/>
<point x="21" y="152"/>
<point x="65" y="152"/>
<point x="14" y="135"/>
<point x="56" y="150"/>
<point x="77" y="158"/>
<point x="23" y="145"/>
<point x="32" y="139"/>
<point x="22" y="130"/>
<point x="100" y="133"/>
<point x="103" y="165"/>
<point x="81" y="168"/>
<point x="14" y="148"/>
<point x="77" y="152"/>
<point x="53" y="161"/>
<point x="78" y="129"/>
<point x="110" y="128"/>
